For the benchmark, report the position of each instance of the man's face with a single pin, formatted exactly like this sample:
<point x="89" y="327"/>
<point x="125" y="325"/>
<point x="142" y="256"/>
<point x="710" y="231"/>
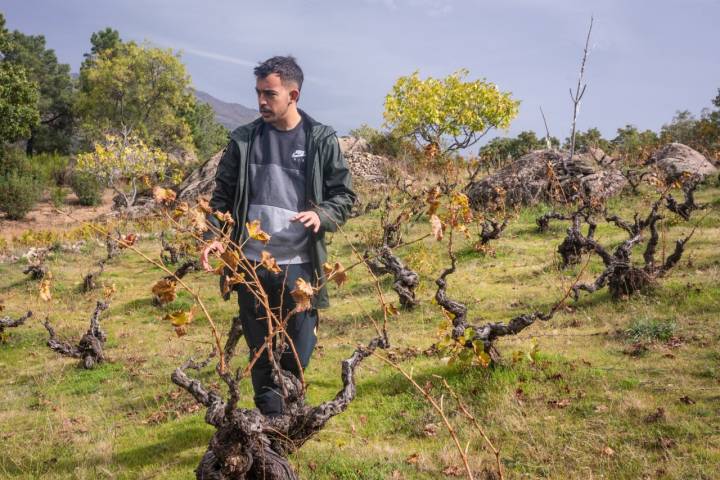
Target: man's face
<point x="274" y="98"/>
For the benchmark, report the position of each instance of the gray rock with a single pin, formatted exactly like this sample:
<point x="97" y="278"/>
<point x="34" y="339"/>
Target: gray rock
<point x="201" y="181"/>
<point x="363" y="164"/>
<point x="539" y="176"/>
<point x="674" y="159"/>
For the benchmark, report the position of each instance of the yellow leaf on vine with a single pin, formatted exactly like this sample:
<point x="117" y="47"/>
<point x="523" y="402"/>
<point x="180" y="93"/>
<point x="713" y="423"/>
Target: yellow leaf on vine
<point x="255" y="232"/>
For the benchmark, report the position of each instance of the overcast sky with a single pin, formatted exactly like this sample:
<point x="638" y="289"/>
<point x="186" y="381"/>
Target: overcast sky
<point x="649" y="58"/>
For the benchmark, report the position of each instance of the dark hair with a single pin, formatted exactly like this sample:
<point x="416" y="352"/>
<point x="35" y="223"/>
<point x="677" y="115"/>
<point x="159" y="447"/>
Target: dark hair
<point x="286" y="67"/>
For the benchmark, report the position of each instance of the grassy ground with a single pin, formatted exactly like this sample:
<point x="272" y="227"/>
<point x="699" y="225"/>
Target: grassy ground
<point x="587" y="407"/>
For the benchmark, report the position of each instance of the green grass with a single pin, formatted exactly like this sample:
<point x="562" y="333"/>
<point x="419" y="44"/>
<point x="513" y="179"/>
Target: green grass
<point x="651" y="330"/>
<point x="554" y="417"/>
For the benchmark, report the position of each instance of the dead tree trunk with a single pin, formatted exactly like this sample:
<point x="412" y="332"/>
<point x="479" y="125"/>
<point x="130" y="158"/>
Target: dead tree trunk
<point x="487" y="333"/>
<point x="685" y="209"/>
<point x="90" y="280"/>
<point x="90" y="348"/>
<point x="405" y="280"/>
<point x="622" y="277"/>
<point x="247" y="445"/>
<point x="7" y="322"/>
<point x="491" y="230"/>
<point x="543" y="221"/>
<point x="174" y="254"/>
<point x="36" y="271"/>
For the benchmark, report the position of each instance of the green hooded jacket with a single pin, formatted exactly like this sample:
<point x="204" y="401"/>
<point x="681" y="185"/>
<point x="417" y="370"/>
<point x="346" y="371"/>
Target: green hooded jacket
<point x="328" y="189"/>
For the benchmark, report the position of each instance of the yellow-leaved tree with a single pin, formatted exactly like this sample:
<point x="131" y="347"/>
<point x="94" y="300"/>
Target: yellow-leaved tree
<point x="124" y="162"/>
<point x="444" y="115"/>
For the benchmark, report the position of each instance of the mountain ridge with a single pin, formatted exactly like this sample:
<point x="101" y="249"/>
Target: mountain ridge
<point x="228" y="114"/>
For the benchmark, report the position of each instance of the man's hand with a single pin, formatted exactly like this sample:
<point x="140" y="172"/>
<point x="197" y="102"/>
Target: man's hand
<point x="212" y="247"/>
<point x="309" y="218"/>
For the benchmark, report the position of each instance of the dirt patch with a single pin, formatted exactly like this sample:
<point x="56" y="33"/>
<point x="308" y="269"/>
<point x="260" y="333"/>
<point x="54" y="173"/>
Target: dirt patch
<point x="44" y="216"/>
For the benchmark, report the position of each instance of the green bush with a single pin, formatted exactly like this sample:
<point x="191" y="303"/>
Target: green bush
<point x="383" y="143"/>
<point x="57" y="196"/>
<point x="19" y="192"/>
<point x="21" y="183"/>
<point x="51" y="167"/>
<point x="87" y="188"/>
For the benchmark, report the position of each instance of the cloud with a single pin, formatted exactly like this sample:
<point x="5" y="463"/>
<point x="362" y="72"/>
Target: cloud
<point x="219" y="57"/>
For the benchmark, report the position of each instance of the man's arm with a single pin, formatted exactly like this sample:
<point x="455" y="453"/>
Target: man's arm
<point x="338" y="196"/>
<point x="226" y="177"/>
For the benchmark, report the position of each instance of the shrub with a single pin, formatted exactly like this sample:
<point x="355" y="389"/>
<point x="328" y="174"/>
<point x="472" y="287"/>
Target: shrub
<point x="57" y="196"/>
<point x="51" y="167"/>
<point x="19" y="192"/>
<point x="87" y="187"/>
<point x="383" y="143"/>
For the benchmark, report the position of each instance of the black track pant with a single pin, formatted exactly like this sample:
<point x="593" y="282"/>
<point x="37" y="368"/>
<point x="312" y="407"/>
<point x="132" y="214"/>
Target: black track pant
<point x="301" y="329"/>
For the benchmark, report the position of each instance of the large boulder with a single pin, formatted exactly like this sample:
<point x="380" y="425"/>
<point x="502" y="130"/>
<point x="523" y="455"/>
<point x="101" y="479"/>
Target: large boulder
<point x="676" y="159"/>
<point x="201" y="181"/>
<point x="362" y="163"/>
<point x="540" y="176"/>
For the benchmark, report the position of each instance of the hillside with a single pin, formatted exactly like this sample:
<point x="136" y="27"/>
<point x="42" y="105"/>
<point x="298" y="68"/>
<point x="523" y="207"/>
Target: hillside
<point x="230" y="115"/>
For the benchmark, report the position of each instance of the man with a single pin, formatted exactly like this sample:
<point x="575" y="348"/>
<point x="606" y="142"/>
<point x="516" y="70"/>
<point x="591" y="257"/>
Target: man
<point x="286" y="170"/>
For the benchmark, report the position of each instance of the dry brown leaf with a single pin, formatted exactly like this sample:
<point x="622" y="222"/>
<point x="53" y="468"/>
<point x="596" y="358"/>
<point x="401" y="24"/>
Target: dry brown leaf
<point x="412" y="459"/>
<point x="269" y="262"/>
<point x="164" y="195"/>
<point x="181" y="330"/>
<point x="437" y="227"/>
<point x="391" y="310"/>
<point x="127" y="240"/>
<point x="204" y="205"/>
<point x="230" y="282"/>
<point x="198" y="220"/>
<point x="235" y="279"/>
<point x="109" y="291"/>
<point x="224" y="217"/>
<point x="225" y="284"/>
<point x="45" y="289"/>
<point x="165" y="290"/>
<point x="255" y="232"/>
<point x="302" y="295"/>
<point x="336" y="273"/>
<point x="433" y="200"/>
<point x="231" y="259"/>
